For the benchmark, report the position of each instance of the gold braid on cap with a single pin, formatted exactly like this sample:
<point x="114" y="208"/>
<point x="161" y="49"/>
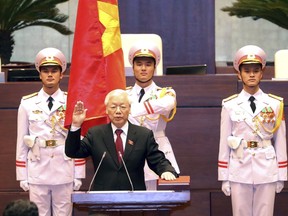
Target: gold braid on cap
<point x="144" y="52"/>
<point x="250" y="57"/>
<point x="50" y="59"/>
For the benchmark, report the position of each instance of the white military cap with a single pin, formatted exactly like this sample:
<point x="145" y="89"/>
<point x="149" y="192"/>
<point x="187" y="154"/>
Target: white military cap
<point x="144" y="49"/>
<point x="50" y="56"/>
<point x="248" y="55"/>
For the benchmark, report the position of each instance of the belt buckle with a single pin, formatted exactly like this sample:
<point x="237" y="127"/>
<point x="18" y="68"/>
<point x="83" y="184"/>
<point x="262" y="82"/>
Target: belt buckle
<point x="50" y="143"/>
<point x="253" y="144"/>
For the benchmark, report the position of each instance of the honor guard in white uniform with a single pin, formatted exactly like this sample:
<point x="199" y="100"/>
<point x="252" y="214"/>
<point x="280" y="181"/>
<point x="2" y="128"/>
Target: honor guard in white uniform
<point x="152" y="106"/>
<point x="41" y="164"/>
<point x="252" y="161"/>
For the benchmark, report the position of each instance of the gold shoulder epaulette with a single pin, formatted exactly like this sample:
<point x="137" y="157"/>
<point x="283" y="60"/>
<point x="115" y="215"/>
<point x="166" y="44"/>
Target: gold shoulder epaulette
<point x="30" y="96"/>
<point x="66" y="93"/>
<point x="276" y="97"/>
<point x="129" y="87"/>
<point x="230" y="98"/>
<point x="160" y="88"/>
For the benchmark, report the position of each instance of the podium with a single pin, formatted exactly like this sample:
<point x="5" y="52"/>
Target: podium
<point x="159" y="200"/>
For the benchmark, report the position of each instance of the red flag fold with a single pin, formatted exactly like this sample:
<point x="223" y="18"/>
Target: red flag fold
<point x="97" y="64"/>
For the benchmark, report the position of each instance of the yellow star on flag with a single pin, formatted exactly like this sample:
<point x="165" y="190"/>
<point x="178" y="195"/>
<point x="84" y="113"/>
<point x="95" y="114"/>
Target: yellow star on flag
<point x="109" y="17"/>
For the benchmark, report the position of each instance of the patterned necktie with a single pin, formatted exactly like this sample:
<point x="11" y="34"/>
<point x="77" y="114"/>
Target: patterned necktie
<point x="50" y="104"/>
<point x="252" y="104"/>
<point x="142" y="92"/>
<point x="119" y="144"/>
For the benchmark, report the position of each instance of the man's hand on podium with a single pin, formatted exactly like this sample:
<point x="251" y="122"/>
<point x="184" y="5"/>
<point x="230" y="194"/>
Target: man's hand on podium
<point x="168" y="176"/>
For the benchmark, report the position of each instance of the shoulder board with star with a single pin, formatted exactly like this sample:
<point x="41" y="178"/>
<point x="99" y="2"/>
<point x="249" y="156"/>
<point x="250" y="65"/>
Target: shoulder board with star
<point x="275" y="97"/>
<point x="165" y="91"/>
<point x="230" y="98"/>
<point x="30" y="96"/>
<point x="129" y="87"/>
<point x="160" y="88"/>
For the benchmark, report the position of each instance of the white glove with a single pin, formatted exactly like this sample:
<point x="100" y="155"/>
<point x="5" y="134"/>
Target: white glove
<point x="24" y="185"/>
<point x="226" y="188"/>
<point x="32" y="143"/>
<point x="279" y="186"/>
<point x="77" y="184"/>
<point x="36" y="150"/>
<point x="168" y="176"/>
<point x="29" y="140"/>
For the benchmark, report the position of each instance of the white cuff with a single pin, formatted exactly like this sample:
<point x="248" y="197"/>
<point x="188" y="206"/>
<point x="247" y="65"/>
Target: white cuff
<point x="74" y="128"/>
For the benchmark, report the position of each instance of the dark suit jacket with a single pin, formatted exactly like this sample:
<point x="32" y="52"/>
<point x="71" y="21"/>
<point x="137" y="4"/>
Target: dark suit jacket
<point x="111" y="175"/>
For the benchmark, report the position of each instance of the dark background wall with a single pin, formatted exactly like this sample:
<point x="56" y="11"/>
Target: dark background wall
<point x="186" y="28"/>
<point x="194" y="134"/>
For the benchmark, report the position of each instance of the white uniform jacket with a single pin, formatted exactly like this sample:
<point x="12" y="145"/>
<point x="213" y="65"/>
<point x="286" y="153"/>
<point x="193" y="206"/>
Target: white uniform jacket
<point x="39" y="164"/>
<point x="239" y="125"/>
<point x="153" y="113"/>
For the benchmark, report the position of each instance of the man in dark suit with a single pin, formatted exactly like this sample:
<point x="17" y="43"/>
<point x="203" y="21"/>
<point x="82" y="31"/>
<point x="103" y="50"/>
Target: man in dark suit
<point x="138" y="144"/>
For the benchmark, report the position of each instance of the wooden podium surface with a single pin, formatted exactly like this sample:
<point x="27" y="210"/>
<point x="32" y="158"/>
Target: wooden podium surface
<point x="160" y="200"/>
<point x="127" y="200"/>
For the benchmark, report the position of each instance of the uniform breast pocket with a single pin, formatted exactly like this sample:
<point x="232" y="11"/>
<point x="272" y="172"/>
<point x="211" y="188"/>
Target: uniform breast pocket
<point x="238" y="122"/>
<point x="238" y="115"/>
<point x="270" y="153"/>
<point x="36" y="122"/>
<point x="36" y="117"/>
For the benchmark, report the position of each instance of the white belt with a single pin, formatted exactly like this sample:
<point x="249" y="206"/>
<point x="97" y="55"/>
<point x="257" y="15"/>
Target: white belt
<point x="158" y="134"/>
<point x="256" y="144"/>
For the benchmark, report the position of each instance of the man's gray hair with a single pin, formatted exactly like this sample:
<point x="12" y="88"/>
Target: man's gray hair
<point x="116" y="92"/>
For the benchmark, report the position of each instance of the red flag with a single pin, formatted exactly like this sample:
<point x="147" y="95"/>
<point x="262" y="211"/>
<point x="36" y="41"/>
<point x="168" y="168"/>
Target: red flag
<point x="97" y="64"/>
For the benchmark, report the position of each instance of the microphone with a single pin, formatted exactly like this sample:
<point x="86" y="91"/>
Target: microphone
<point x="132" y="188"/>
<point x="103" y="156"/>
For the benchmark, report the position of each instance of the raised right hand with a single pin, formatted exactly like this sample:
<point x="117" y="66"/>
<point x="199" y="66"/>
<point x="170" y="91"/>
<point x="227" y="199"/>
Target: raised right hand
<point x="79" y="114"/>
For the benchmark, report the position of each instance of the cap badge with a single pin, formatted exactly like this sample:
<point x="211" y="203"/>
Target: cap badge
<point x="144" y="51"/>
<point x="251" y="56"/>
<point x="50" y="58"/>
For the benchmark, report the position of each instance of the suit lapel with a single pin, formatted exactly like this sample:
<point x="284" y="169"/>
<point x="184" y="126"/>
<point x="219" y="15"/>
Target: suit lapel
<point x="56" y="105"/>
<point x="58" y="102"/>
<point x="245" y="105"/>
<point x="131" y="140"/>
<point x="263" y="102"/>
<point x="109" y="142"/>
